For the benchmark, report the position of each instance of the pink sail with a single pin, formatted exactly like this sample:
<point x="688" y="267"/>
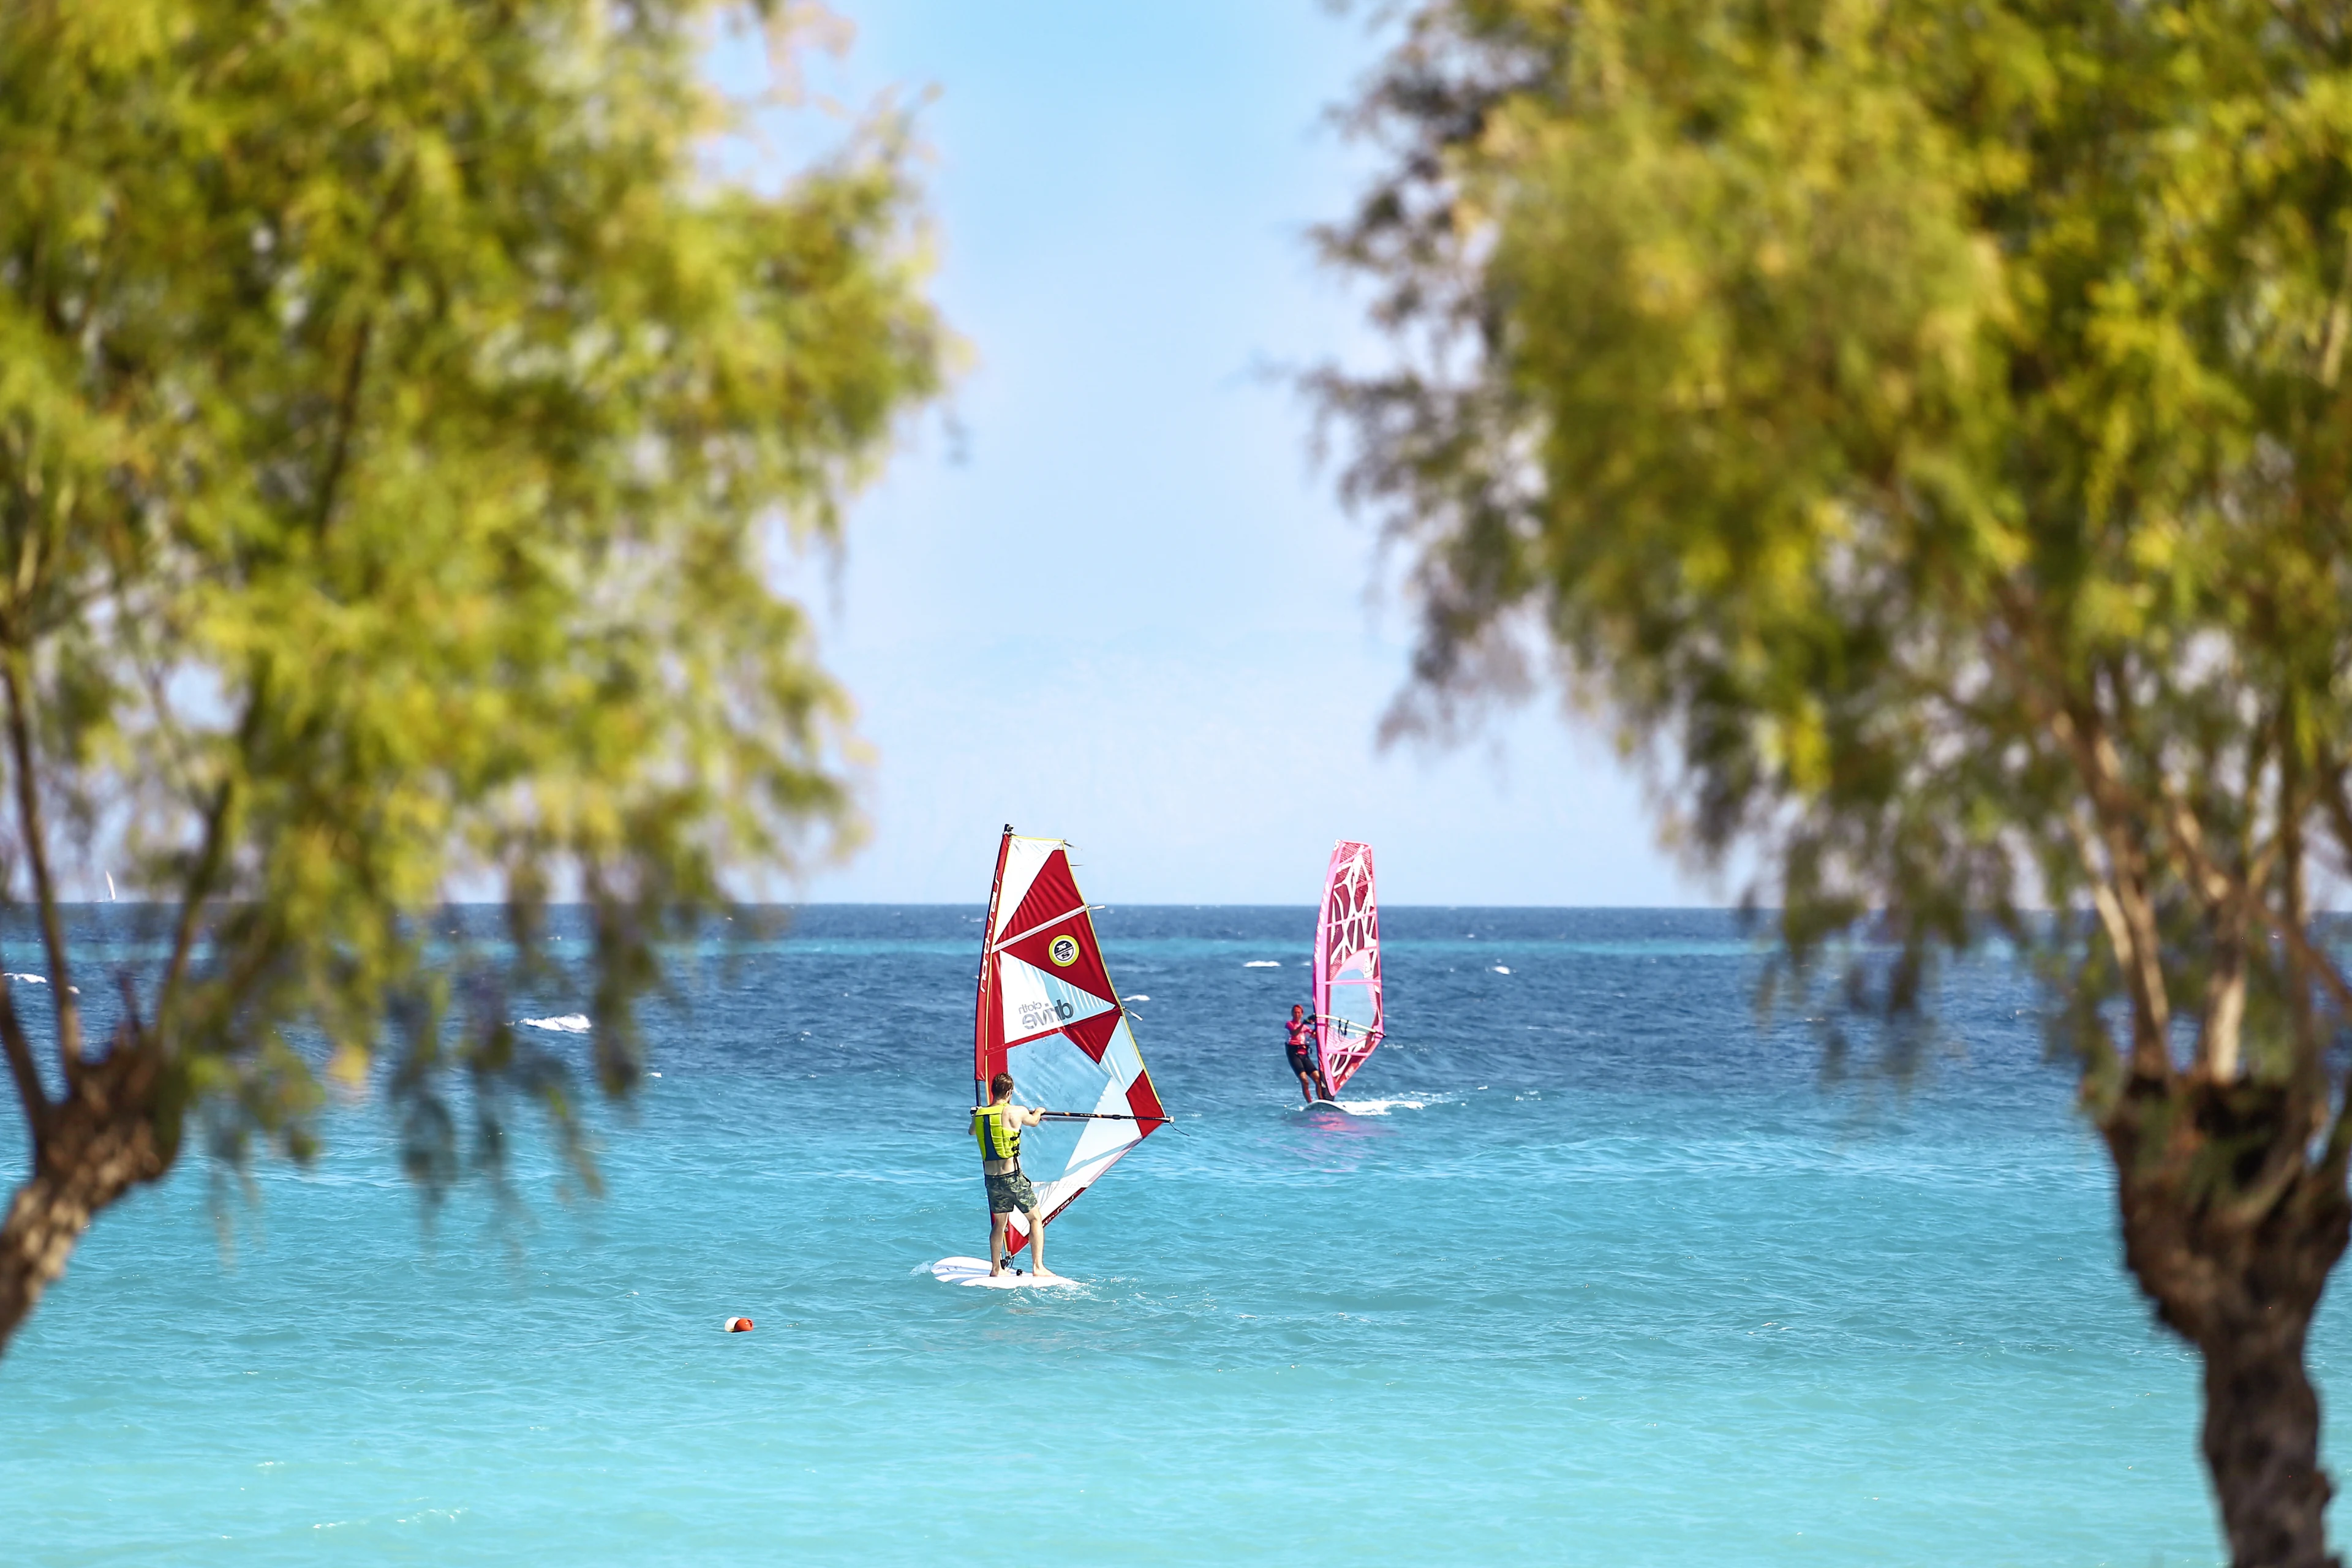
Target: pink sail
<point x="1048" y="1013"/>
<point x="1347" y="966"/>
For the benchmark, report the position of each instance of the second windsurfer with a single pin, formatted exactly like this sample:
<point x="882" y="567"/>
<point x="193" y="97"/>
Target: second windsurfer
<point x="1298" y="1049"/>
<point x="997" y="1126"/>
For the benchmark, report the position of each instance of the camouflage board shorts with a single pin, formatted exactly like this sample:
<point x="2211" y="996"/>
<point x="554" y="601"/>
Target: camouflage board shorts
<point x="1009" y="1192"/>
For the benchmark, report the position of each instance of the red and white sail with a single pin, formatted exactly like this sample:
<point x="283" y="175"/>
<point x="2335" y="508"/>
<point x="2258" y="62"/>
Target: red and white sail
<point x="1347" y="966"/>
<point x="1048" y="1013"/>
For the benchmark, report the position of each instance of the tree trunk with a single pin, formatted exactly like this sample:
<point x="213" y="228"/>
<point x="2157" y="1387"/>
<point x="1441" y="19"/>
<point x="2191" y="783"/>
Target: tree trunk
<point x="101" y="1141"/>
<point x="2231" y="1229"/>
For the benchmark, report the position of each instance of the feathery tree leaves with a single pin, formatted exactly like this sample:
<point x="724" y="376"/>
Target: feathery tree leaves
<point x="397" y="424"/>
<point x="1922" y="429"/>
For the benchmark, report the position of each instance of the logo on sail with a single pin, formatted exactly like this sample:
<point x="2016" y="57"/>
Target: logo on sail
<point x="1045" y="1014"/>
<point x="1063" y="950"/>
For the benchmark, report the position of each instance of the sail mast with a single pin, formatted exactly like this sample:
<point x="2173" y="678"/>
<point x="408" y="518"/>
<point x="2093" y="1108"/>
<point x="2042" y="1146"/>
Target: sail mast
<point x="980" y="1071"/>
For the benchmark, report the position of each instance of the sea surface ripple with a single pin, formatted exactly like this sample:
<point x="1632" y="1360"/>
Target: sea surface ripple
<point x="1607" y="1273"/>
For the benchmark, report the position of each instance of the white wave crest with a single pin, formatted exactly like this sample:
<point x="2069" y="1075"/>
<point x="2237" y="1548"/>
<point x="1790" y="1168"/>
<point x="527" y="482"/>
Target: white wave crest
<point x="1380" y="1107"/>
<point x="1499" y="969"/>
<point x="1262" y="963"/>
<point x="568" y="1024"/>
<point x="30" y="979"/>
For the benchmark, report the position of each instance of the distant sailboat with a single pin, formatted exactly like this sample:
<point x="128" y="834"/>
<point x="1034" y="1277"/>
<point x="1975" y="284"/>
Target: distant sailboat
<point x="1349" y="1018"/>
<point x="1048" y="1013"/>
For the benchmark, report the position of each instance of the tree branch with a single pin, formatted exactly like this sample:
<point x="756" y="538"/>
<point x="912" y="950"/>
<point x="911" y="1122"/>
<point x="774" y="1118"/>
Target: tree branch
<point x="2331" y="978"/>
<point x="37" y="853"/>
<point x="347" y="403"/>
<point x="30" y="1095"/>
<point x="2102" y="893"/>
<point x="2339" y="810"/>
<point x="2218" y="1041"/>
<point x="2229" y="904"/>
<point x="192" y="901"/>
<point x="2339" y="321"/>
<point x="208" y="857"/>
<point x="2212" y="884"/>
<point x="347" y="408"/>
<point x="2229" y="898"/>
<point x="2294" y="804"/>
<point x="2119" y="885"/>
<point x="2125" y="886"/>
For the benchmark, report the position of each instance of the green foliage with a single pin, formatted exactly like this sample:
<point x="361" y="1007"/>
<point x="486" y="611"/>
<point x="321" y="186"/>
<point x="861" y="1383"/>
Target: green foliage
<point x="399" y="426"/>
<point x="1921" y="428"/>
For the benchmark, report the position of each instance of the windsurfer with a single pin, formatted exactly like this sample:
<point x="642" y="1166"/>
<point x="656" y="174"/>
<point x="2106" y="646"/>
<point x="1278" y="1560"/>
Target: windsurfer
<point x="997" y="1126"/>
<point x="1300" y="1049"/>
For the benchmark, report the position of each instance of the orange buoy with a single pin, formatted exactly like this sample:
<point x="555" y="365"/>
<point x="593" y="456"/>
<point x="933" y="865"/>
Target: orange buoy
<point x="739" y="1325"/>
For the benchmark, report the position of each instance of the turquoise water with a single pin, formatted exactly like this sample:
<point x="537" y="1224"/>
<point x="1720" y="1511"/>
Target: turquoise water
<point x="1613" y="1281"/>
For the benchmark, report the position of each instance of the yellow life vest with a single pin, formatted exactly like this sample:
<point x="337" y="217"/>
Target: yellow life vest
<point x="999" y="1138"/>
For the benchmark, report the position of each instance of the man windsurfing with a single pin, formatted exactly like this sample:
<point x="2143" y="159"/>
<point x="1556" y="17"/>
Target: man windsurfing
<point x="1299" y="1050"/>
<point x="997" y="1127"/>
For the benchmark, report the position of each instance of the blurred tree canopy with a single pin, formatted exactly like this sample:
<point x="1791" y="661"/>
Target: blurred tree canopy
<point x="399" y="421"/>
<point x="1921" y="428"/>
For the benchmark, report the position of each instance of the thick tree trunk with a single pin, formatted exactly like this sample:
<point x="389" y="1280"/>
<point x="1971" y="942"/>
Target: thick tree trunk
<point x="2231" y="1229"/>
<point x="101" y="1141"/>
<point x="2262" y="1444"/>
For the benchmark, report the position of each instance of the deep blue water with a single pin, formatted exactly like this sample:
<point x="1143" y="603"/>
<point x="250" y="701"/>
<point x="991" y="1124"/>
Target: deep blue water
<point x="1616" y="1281"/>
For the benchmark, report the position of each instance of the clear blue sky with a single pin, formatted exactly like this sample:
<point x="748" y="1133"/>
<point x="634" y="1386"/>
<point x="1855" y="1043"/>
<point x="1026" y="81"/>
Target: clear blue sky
<point x="1124" y="607"/>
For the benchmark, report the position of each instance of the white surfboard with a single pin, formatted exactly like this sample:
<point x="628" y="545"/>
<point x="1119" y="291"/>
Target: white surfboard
<point x="975" y="1271"/>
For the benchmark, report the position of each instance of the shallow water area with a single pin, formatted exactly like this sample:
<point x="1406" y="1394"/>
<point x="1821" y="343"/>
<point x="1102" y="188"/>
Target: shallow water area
<point x="1589" y="1269"/>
